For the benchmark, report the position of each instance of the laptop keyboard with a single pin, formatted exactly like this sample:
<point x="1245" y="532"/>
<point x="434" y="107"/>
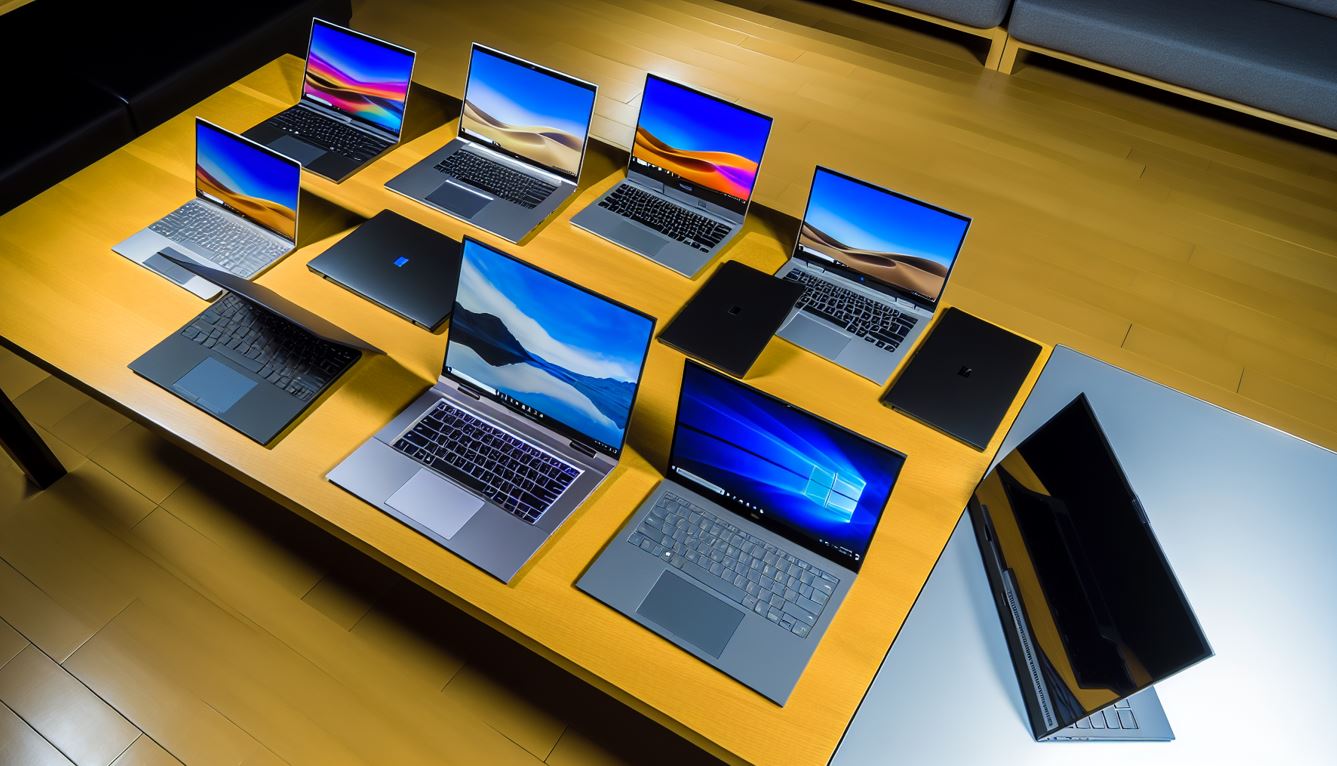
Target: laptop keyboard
<point x="1120" y="716"/>
<point x="235" y="246"/>
<point x="747" y="570"/>
<point x="496" y="179"/>
<point x="676" y="221"/>
<point x="515" y="475"/>
<point x="872" y="320"/>
<point x="332" y="135"/>
<point x="270" y="346"/>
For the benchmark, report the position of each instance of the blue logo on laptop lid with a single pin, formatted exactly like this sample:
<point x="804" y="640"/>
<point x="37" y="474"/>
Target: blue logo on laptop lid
<point x="400" y="261"/>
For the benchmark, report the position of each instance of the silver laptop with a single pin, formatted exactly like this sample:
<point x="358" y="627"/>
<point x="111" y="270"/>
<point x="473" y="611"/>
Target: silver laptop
<point x="693" y="165"/>
<point x="517" y="155"/>
<point x="354" y="93"/>
<point x="1091" y="610"/>
<point x="743" y="554"/>
<point x="243" y="217"/>
<point x="874" y="263"/>
<point x="528" y="416"/>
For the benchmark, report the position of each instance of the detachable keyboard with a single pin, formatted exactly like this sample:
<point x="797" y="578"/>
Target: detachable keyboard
<point x="745" y="569"/>
<point x="672" y="219"/>
<point x="1119" y="716"/>
<point x="270" y="346"/>
<point x="225" y="240"/>
<point x="332" y="135"/>
<point x="872" y="320"/>
<point x="496" y="179"/>
<point x="493" y="462"/>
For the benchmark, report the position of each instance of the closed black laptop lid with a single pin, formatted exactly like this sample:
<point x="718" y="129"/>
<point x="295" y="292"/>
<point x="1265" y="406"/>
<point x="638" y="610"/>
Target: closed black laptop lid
<point x="963" y="377"/>
<point x="263" y="296"/>
<point x="398" y="264"/>
<point x="1105" y="615"/>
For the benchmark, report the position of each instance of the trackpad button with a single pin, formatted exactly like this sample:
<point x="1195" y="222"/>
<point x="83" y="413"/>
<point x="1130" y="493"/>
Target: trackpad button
<point x="214" y="386"/>
<point x="435" y="503"/>
<point x="297" y="149"/>
<point x="461" y="202"/>
<point x="690" y="613"/>
<point x="639" y="240"/>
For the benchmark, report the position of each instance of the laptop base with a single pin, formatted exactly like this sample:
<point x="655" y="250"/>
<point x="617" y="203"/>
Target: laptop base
<point x="315" y="159"/>
<point x="1139" y="718"/>
<point x="645" y="241"/>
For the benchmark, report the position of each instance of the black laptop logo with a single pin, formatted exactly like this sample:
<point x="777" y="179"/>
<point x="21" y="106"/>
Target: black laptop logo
<point x="736" y="310"/>
<point x="964" y="371"/>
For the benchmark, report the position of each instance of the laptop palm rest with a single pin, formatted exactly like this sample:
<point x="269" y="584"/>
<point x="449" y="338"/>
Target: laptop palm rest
<point x="815" y="336"/>
<point x="690" y="613"/>
<point x="435" y="503"/>
<point x="638" y="240"/>
<point x="297" y="149"/>
<point x="459" y="201"/>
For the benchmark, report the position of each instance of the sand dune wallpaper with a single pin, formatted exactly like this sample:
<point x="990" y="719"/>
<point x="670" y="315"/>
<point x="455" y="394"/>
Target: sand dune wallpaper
<point x="248" y="179"/>
<point x="267" y="213"/>
<point x="721" y="171"/>
<point x="547" y="146"/>
<point x="920" y="275"/>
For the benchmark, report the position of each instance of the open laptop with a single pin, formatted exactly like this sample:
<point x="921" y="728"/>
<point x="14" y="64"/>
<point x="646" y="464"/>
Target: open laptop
<point x="520" y="145"/>
<point x="1091" y="609"/>
<point x="253" y="359"/>
<point x="243" y="217"/>
<point x="743" y="554"/>
<point x="874" y="263"/>
<point x="528" y="416"/>
<point x="352" y="106"/>
<point x="689" y="181"/>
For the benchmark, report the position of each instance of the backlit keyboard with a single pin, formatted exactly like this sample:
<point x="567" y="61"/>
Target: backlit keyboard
<point x="235" y="246"/>
<point x="332" y="135"/>
<point x="872" y="320"/>
<point x="676" y="221"/>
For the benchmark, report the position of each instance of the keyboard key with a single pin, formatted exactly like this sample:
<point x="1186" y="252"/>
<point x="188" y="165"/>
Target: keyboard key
<point x="1126" y="719"/>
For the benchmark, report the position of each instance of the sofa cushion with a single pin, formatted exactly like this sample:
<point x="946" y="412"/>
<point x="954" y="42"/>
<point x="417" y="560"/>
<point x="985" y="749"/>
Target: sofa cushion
<point x="973" y="13"/>
<point x="1325" y="7"/>
<point x="1264" y="54"/>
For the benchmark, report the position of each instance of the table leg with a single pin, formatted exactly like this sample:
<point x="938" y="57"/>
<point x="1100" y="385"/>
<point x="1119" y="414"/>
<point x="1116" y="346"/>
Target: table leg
<point x="24" y="444"/>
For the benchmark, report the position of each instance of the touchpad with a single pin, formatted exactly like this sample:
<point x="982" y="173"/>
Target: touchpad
<point x="690" y="613"/>
<point x="463" y="203"/>
<point x="814" y="336"/>
<point x="297" y="149"/>
<point x="214" y="386"/>
<point x="167" y="268"/>
<point x="435" y="503"/>
<point x="638" y="239"/>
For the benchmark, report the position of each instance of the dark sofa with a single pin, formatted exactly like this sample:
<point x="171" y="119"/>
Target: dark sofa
<point x="115" y="70"/>
<point x="974" y="13"/>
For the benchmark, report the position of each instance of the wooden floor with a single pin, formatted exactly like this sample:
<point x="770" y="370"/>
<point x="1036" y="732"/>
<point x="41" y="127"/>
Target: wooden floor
<point x="153" y="609"/>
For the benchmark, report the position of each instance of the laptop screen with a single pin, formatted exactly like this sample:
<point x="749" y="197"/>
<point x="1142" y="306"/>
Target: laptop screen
<point x="799" y="476"/>
<point x="1102" y="605"/>
<point x="877" y="236"/>
<point x="360" y="76"/>
<point x="549" y="349"/>
<point x="699" y="143"/>
<point x="527" y="111"/>
<point x="256" y="183"/>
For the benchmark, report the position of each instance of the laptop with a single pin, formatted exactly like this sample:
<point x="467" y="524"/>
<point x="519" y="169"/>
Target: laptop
<point x="743" y="554"/>
<point x="874" y="263"/>
<point x="964" y="376"/>
<point x="242" y="220"/>
<point x="689" y="181"/>
<point x="528" y="417"/>
<point x="352" y="106"/>
<point x="1091" y="609"/>
<point x="518" y="150"/>
<point x="253" y="359"/>
<point x="401" y="266"/>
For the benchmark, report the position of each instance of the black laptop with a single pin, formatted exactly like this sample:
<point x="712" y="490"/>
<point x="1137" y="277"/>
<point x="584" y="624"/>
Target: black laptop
<point x="402" y="266"/>
<point x="253" y="359"/>
<point x="963" y="377"/>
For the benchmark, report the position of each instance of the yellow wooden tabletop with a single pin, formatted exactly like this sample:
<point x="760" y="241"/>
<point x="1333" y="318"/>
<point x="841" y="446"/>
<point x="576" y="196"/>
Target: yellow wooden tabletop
<point x="84" y="312"/>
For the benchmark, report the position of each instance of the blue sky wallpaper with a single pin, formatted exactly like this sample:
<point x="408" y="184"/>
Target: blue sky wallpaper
<point x="866" y="218"/>
<point x="522" y="97"/>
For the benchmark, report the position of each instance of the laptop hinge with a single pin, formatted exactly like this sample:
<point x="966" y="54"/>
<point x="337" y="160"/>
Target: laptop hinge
<point x="1028" y="650"/>
<point x="582" y="449"/>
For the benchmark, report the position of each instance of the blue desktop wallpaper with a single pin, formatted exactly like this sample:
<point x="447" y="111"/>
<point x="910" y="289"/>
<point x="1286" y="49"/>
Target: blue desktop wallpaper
<point x="247" y="179"/>
<point x="530" y="113"/>
<point x="362" y="78"/>
<point x="815" y="478"/>
<point x="568" y="353"/>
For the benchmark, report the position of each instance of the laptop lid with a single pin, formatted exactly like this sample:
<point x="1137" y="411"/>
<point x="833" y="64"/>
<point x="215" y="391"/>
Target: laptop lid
<point x="698" y="144"/>
<point x="881" y="238"/>
<point x="358" y="75"/>
<point x="526" y="111"/>
<point x="563" y="356"/>
<point x="1105" y="613"/>
<point x="802" y="477"/>
<point x="253" y="181"/>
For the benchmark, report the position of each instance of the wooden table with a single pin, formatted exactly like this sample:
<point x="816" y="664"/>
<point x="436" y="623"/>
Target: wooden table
<point x="83" y="312"/>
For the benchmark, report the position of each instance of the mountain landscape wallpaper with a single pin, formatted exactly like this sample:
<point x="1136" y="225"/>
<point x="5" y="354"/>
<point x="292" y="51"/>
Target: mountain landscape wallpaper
<point x="357" y="76"/>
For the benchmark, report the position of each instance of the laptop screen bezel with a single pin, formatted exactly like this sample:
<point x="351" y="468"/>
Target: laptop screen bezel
<point x="306" y="74"/>
<point x="791" y="533"/>
<point x="854" y="274"/>
<point x="593" y="88"/>
<point x="673" y="180"/>
<point x="199" y="193"/>
<point x="547" y="421"/>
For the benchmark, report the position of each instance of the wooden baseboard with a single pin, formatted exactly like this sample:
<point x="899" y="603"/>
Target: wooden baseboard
<point x="997" y="36"/>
